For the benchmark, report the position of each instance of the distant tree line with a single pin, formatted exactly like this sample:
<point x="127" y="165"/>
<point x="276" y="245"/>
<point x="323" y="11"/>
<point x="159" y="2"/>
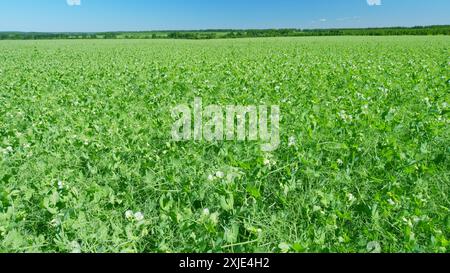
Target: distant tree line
<point x="432" y="30"/>
<point x="229" y="33"/>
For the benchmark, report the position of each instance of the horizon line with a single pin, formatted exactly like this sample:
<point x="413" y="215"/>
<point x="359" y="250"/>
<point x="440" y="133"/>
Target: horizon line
<point x="224" y="29"/>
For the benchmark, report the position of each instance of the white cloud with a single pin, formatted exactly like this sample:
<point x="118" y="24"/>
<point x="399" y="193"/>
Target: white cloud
<point x="374" y="2"/>
<point x="74" y="2"/>
<point x="344" y="19"/>
<point x="323" y="20"/>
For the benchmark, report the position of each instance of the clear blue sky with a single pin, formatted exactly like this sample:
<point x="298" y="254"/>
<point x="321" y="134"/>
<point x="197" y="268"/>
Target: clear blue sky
<point x="134" y="15"/>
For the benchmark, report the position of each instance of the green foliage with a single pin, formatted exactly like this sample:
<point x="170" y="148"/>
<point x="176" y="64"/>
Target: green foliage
<point x="232" y="33"/>
<point x="87" y="164"/>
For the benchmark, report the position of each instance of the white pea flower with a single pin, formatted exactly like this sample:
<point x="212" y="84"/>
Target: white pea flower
<point x="60" y="185"/>
<point x="206" y="211"/>
<point x="292" y="141"/>
<point x="129" y="214"/>
<point x="139" y="216"/>
<point x="374" y="247"/>
<point x="210" y="177"/>
<point x="340" y="162"/>
<point x="351" y="197"/>
<point x="220" y="174"/>
<point x="55" y="222"/>
<point x="345" y="117"/>
<point x="76" y="248"/>
<point x="268" y="160"/>
<point x="365" y="109"/>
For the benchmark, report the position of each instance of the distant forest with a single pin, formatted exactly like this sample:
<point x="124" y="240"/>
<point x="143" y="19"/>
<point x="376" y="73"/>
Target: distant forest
<point x="229" y="33"/>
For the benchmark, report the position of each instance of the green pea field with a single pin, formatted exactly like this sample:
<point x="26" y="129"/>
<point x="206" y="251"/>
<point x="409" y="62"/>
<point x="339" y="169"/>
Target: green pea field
<point x="88" y="163"/>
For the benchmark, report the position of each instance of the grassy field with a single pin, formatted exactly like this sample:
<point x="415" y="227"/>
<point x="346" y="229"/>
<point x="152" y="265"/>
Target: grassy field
<point x="87" y="163"/>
